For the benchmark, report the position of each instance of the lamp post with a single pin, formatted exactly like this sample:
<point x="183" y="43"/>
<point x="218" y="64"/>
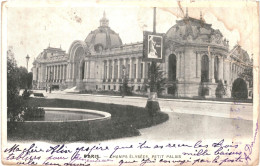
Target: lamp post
<point x="27" y="60"/>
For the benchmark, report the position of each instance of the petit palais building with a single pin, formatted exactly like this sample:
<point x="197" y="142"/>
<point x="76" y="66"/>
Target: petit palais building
<point x="196" y="56"/>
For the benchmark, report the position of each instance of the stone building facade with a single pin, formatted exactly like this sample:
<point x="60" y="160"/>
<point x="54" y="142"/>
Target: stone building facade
<point x="196" y="57"/>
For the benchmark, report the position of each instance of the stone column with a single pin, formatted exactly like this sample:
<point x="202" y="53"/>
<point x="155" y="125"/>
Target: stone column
<point x="130" y="68"/>
<point x="178" y="66"/>
<point x="199" y="66"/>
<point x="225" y="70"/>
<point x="137" y="69"/>
<point x="104" y="70"/>
<point x="124" y="63"/>
<point x="68" y="71"/>
<point x="108" y="63"/>
<point x="182" y="67"/>
<point x="72" y="70"/>
<point x="211" y="71"/>
<point x="63" y="67"/>
<point x="144" y="71"/>
<point x="54" y="73"/>
<point x="166" y="66"/>
<point x="61" y="72"/>
<point x="59" y="67"/>
<point x="113" y="69"/>
<point x="221" y="61"/>
<point x="85" y="70"/>
<point x="49" y="73"/>
<point x="88" y="69"/>
<point x="119" y="69"/>
<point x="46" y="74"/>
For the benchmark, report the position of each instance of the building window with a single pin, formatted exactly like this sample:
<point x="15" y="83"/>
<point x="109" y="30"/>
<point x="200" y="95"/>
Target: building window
<point x="204" y="68"/>
<point x="108" y="87"/>
<point x="104" y="87"/>
<point x="82" y="70"/>
<point x="172" y="67"/>
<point x="114" y="87"/>
<point x="139" y="88"/>
<point x="96" y="87"/>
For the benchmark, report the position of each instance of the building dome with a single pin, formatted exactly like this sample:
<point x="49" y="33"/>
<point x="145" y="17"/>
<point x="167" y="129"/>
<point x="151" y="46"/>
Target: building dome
<point x="103" y="37"/>
<point x="195" y="30"/>
<point x="240" y="54"/>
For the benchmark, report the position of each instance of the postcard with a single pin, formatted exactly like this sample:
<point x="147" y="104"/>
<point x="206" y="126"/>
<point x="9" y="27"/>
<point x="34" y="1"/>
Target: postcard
<point x="130" y="83"/>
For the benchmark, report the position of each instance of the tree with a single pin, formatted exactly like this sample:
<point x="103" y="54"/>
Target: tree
<point x="247" y="75"/>
<point x="220" y="90"/>
<point x="239" y="89"/>
<point x="29" y="80"/>
<point x="14" y="102"/>
<point x="125" y="89"/>
<point x="23" y="77"/>
<point x="156" y="80"/>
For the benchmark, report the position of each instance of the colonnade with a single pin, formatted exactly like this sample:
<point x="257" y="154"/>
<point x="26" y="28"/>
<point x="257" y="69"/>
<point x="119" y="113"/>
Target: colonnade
<point x="56" y="73"/>
<point x="116" y="69"/>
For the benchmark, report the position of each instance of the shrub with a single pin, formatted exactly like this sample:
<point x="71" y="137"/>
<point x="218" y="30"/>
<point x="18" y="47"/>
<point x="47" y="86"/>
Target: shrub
<point x="220" y="90"/>
<point x="239" y="89"/>
<point x="152" y="107"/>
<point x="26" y="94"/>
<point x="30" y="112"/>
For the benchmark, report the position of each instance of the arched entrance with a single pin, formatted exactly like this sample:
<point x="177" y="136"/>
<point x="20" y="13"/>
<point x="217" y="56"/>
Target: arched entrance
<point x="172" y="68"/>
<point x="204" y="68"/>
<point x="77" y="52"/>
<point x="239" y="89"/>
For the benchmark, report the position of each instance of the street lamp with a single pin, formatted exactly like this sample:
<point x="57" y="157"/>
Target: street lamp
<point x="27" y="60"/>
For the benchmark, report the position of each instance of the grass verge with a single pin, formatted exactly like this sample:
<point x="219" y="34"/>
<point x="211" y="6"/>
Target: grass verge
<point x="125" y="122"/>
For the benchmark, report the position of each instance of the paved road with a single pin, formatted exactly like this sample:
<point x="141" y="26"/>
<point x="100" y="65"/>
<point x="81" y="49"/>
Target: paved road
<point x="188" y="120"/>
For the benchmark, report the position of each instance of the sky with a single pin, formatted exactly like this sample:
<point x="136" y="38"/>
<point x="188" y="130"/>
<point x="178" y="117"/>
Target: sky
<point x="32" y="29"/>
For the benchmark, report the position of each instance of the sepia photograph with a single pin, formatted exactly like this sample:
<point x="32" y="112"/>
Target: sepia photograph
<point x="130" y="83"/>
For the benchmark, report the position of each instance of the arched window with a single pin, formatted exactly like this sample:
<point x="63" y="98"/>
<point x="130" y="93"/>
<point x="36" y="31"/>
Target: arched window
<point x="204" y="68"/>
<point x="216" y="68"/>
<point x="172" y="68"/>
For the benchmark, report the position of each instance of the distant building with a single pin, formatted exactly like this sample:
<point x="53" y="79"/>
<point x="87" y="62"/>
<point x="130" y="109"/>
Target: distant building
<point x="196" y="57"/>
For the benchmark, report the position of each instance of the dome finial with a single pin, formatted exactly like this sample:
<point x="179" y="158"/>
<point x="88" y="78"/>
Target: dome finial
<point x="104" y="21"/>
<point x="104" y="14"/>
<point x="187" y="12"/>
<point x="200" y="15"/>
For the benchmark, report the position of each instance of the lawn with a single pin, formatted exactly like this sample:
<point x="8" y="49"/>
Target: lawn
<point x="125" y="122"/>
<point x="168" y="96"/>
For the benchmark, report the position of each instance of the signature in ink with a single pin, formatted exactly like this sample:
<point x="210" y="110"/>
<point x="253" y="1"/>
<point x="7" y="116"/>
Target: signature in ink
<point x="249" y="147"/>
